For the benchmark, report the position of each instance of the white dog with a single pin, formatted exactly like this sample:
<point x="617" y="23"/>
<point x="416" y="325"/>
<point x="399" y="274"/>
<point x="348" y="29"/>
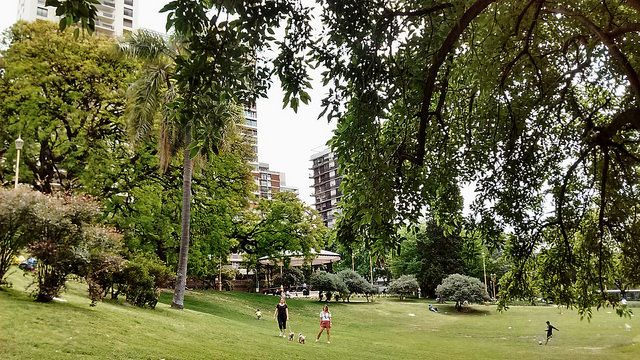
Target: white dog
<point x="301" y="338"/>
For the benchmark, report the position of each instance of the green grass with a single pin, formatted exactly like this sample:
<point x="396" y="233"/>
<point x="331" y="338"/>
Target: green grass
<point x="222" y="326"/>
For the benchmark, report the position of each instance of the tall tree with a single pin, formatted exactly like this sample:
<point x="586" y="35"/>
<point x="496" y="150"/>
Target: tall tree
<point x="430" y="253"/>
<point x="224" y="59"/>
<point x="535" y="102"/>
<point x="157" y="102"/>
<point x="279" y="224"/>
<point x="65" y="98"/>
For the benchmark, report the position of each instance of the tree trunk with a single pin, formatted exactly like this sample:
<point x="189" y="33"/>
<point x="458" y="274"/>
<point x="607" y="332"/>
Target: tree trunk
<point x="181" y="278"/>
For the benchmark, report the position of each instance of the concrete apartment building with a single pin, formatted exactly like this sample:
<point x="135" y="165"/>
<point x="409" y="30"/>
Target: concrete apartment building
<point x="115" y="17"/>
<point x="326" y="185"/>
<point x="268" y="182"/>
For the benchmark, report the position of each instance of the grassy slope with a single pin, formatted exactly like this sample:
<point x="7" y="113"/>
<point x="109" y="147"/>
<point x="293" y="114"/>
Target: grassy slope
<point x="222" y="326"/>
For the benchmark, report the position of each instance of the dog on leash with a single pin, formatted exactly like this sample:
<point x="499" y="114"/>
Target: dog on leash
<point x="301" y="338"/>
<point x="291" y="335"/>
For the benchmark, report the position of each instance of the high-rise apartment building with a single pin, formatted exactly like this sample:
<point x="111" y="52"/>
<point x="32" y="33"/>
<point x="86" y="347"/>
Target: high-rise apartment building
<point x="115" y="17"/>
<point x="250" y="132"/>
<point x="270" y="182"/>
<point x="326" y="185"/>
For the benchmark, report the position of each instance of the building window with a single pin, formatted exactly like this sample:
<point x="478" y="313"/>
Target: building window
<point x="128" y="2"/>
<point x="250" y="122"/>
<point x="41" y="2"/>
<point x="42" y="12"/>
<point x="128" y="12"/>
<point x="127" y="23"/>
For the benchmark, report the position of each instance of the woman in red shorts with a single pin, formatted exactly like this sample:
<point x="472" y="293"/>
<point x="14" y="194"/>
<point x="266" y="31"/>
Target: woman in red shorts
<point x="325" y="323"/>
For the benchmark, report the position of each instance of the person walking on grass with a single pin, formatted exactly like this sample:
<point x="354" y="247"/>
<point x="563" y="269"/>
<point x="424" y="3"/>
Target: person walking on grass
<point x="550" y="329"/>
<point x="325" y="323"/>
<point x="282" y="315"/>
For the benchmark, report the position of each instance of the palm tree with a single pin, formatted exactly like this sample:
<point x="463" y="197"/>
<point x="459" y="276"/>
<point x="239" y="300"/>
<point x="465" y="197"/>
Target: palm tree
<point x="155" y="102"/>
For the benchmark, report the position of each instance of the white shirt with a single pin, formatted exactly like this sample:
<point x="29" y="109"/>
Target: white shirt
<point x="325" y="316"/>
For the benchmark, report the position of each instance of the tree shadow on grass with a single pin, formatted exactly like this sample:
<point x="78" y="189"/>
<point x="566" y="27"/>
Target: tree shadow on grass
<point x="450" y="309"/>
<point x="27" y="300"/>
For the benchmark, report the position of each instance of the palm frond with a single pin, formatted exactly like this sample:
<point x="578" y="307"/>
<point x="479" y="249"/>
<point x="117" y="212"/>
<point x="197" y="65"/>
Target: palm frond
<point x="144" y="99"/>
<point x="147" y="45"/>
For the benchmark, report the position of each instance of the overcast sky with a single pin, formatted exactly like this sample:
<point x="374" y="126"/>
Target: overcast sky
<point x="286" y="140"/>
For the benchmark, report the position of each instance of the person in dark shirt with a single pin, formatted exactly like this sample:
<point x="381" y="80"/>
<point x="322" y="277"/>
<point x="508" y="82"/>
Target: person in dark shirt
<point x="282" y="315"/>
<point x="550" y="329"/>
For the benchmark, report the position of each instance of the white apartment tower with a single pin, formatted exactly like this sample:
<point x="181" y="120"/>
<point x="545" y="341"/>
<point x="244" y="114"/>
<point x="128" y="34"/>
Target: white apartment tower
<point x="115" y="17"/>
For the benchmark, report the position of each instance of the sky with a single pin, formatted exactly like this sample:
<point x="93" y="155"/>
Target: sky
<point x="286" y="140"/>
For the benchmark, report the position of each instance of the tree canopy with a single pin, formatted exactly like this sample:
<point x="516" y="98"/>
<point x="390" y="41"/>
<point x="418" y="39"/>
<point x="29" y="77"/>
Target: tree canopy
<point x="533" y="102"/>
<point x="536" y="103"/>
<point x="65" y="98"/>
<point x="461" y="288"/>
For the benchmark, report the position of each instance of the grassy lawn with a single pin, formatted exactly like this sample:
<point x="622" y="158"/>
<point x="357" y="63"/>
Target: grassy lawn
<point x="222" y="326"/>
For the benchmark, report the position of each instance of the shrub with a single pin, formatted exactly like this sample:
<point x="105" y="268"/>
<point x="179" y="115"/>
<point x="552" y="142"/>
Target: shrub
<point x="403" y="286"/>
<point x="100" y="259"/>
<point x="328" y="283"/>
<point x="290" y="277"/>
<point x="56" y="226"/>
<point x="140" y="280"/>
<point x="355" y="284"/>
<point x="228" y="275"/>
<point x="15" y="215"/>
<point x="461" y="288"/>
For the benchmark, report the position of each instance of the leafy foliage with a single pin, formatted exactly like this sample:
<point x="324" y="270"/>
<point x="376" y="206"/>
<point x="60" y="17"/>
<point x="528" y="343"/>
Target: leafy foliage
<point x="461" y="288"/>
<point x="57" y="227"/>
<point x="16" y="206"/>
<point x="140" y="280"/>
<point x="355" y="284"/>
<point x="532" y="102"/>
<point x="65" y="98"/>
<point x="99" y="259"/>
<point x="279" y="224"/>
<point x="430" y="253"/>
<point x="328" y="283"/>
<point x="404" y="286"/>
<point x="290" y="277"/>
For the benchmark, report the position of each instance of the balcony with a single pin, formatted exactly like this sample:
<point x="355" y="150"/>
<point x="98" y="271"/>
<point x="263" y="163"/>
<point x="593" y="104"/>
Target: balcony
<point x="109" y="4"/>
<point x="106" y="16"/>
<point x="102" y="25"/>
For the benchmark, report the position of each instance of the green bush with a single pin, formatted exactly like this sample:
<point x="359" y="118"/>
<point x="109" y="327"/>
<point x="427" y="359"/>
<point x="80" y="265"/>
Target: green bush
<point x="355" y="284"/>
<point x="403" y="286"/>
<point x="328" y="283"/>
<point x="140" y="281"/>
<point x="290" y="277"/>
<point x="100" y="260"/>
<point x="461" y="288"/>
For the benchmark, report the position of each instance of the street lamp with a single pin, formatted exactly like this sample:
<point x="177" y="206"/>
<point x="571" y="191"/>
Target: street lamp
<point x="19" y="144"/>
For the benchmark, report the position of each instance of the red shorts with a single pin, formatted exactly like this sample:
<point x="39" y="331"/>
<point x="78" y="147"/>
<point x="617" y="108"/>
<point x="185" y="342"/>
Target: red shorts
<point x="325" y="324"/>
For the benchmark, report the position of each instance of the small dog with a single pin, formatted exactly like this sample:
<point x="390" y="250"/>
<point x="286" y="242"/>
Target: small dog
<point x="301" y="338"/>
<point x="291" y="335"/>
<point x="258" y="314"/>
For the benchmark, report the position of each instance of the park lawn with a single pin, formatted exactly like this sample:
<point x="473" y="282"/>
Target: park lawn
<point x="222" y="326"/>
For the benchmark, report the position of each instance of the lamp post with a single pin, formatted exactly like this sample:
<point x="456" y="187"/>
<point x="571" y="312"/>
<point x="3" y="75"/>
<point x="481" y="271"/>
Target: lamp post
<point x="19" y="144"/>
<point x="494" y="278"/>
<point x="484" y="271"/>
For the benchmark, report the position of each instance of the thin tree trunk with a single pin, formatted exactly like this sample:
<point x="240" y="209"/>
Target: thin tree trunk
<point x="181" y="278"/>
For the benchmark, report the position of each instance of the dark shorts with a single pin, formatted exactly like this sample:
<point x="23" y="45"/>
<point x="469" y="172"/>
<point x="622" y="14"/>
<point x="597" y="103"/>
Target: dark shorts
<point x="282" y="323"/>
